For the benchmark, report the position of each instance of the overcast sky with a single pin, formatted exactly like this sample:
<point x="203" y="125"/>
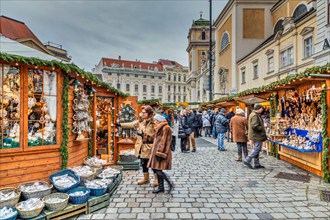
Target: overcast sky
<point x="146" y="30"/>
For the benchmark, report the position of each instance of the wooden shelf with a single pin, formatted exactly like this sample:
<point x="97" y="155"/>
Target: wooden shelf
<point x="81" y="140"/>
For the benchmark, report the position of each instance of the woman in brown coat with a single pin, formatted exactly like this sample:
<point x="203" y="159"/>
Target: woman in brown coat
<point x="161" y="156"/>
<point x="144" y="141"/>
<point x="239" y="127"/>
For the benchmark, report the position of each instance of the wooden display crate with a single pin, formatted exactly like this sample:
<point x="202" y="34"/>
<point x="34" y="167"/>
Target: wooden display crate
<point x="98" y="202"/>
<point x="115" y="184"/>
<point x="70" y="211"/>
<point x="130" y="165"/>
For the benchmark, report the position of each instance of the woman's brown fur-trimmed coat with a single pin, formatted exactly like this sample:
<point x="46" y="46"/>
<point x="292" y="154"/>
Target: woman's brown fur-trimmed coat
<point x="239" y="127"/>
<point x="147" y="127"/>
<point x="162" y="143"/>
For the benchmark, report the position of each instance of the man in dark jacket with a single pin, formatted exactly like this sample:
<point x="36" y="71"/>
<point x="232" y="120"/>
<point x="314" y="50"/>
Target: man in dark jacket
<point x="229" y="116"/>
<point x="257" y="134"/>
<point x="192" y="123"/>
<point x="221" y="124"/>
<point x="200" y="123"/>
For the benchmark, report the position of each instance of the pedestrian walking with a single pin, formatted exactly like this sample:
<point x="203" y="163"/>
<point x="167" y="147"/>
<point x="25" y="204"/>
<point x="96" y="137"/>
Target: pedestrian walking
<point x="229" y="132"/>
<point x="183" y="131"/>
<point x="221" y="123"/>
<point x="239" y="128"/>
<point x="214" y="130"/>
<point x="144" y="141"/>
<point x="206" y="124"/>
<point x="257" y="134"/>
<point x="192" y="124"/>
<point x="161" y="156"/>
<point x="199" y="122"/>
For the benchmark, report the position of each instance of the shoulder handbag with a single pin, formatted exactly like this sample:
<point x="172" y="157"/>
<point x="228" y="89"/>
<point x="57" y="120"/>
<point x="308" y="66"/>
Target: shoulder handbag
<point x="173" y="143"/>
<point x="181" y="133"/>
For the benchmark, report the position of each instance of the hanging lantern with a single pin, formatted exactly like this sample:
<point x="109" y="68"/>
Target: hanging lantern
<point x="76" y="84"/>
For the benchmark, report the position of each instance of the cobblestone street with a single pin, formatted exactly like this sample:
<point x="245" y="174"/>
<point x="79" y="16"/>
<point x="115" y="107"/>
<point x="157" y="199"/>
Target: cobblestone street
<point x="211" y="185"/>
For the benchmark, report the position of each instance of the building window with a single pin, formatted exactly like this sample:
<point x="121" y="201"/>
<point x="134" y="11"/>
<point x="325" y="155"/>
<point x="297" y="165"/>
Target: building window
<point x="270" y="64"/>
<point x="224" y="41"/>
<point x="127" y="74"/>
<point x="127" y="87"/>
<point x="160" y="77"/>
<point x="160" y="89"/>
<point x="184" y="89"/>
<point x="203" y="35"/>
<point x="190" y="65"/>
<point x="179" y="88"/>
<point x="243" y="76"/>
<point x="174" y="78"/>
<point x="169" y="88"/>
<point x="152" y="88"/>
<point x="174" y="98"/>
<point x="144" y="88"/>
<point x="179" y="78"/>
<point x="328" y="11"/>
<point x="174" y="88"/>
<point x="136" y="75"/>
<point x="136" y="87"/>
<point x="179" y="98"/>
<point x="278" y="26"/>
<point x="287" y="57"/>
<point x="118" y="85"/>
<point x="255" y="71"/>
<point x="308" y="46"/>
<point x="109" y="74"/>
<point x="184" y="98"/>
<point x="300" y="10"/>
<point x="169" y="98"/>
<point x="169" y="77"/>
<point x="184" y="78"/>
<point x="152" y="77"/>
<point x="144" y="98"/>
<point x="144" y="76"/>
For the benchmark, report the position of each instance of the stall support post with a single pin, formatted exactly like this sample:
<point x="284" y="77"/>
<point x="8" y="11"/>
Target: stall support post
<point x="94" y="124"/>
<point x="328" y="126"/>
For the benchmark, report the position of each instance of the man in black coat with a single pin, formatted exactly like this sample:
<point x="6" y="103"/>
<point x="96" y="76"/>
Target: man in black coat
<point x="229" y="116"/>
<point x="214" y="130"/>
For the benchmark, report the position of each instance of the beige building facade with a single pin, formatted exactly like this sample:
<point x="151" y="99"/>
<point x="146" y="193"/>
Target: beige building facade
<point x="289" y="50"/>
<point x="239" y="29"/>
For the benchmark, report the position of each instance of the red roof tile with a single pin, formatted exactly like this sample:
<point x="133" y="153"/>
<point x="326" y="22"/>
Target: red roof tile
<point x="127" y="64"/>
<point x="168" y="63"/>
<point x="15" y="30"/>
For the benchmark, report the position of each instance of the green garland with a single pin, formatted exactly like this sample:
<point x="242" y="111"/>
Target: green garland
<point x="65" y="122"/>
<point x="325" y="143"/>
<point x="151" y="101"/>
<point x="67" y="68"/>
<point x="286" y="80"/>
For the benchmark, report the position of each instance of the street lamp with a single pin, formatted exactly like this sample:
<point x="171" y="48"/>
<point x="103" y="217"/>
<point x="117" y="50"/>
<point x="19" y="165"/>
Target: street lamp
<point x="210" y="53"/>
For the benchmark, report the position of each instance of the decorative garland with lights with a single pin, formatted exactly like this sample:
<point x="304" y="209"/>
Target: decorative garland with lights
<point x="325" y="143"/>
<point x="65" y="122"/>
<point x="68" y="68"/>
<point x="151" y="101"/>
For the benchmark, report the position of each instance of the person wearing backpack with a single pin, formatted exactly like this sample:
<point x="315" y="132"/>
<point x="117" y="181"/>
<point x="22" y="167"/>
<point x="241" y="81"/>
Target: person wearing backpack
<point x="221" y="123"/>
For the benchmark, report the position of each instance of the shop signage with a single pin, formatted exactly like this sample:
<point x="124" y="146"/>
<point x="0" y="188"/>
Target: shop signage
<point x="326" y="44"/>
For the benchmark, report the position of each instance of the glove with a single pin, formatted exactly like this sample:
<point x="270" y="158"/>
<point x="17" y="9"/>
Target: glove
<point x="118" y="125"/>
<point x="141" y="134"/>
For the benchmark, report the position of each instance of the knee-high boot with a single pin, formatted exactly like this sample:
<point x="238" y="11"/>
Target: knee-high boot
<point x="170" y="184"/>
<point x="160" y="183"/>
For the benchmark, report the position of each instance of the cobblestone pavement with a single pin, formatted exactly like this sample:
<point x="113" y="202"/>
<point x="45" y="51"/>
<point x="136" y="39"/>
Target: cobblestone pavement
<point x="211" y="185"/>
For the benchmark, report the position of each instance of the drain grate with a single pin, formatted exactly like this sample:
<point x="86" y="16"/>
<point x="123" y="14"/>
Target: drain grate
<point x="292" y="176"/>
<point x="325" y="196"/>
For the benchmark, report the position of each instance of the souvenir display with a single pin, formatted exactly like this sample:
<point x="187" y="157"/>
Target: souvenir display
<point x="34" y="187"/>
<point x="64" y="181"/>
<point x="83" y="170"/>
<point x="94" y="184"/>
<point x="7" y="213"/>
<point x="30" y="204"/>
<point x="126" y="114"/>
<point x="108" y="173"/>
<point x="81" y="117"/>
<point x="127" y="152"/>
<point x="95" y="162"/>
<point x="79" y="193"/>
<point x="7" y="195"/>
<point x="105" y="132"/>
<point x="10" y="108"/>
<point x="42" y="107"/>
<point x="298" y="122"/>
<point x="54" y="200"/>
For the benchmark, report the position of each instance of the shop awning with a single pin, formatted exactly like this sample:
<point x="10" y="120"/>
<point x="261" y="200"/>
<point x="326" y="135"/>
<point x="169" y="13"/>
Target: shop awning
<point x="225" y="104"/>
<point x="250" y="99"/>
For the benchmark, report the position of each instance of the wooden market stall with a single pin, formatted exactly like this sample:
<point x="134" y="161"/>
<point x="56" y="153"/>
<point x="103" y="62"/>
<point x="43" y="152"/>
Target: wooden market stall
<point x="47" y="117"/>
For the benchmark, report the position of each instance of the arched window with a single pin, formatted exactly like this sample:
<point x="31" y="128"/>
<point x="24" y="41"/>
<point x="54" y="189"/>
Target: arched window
<point x="203" y="35"/>
<point x="179" y="78"/>
<point x="169" y="77"/>
<point x="278" y="26"/>
<point x="299" y="11"/>
<point x="174" y="78"/>
<point x="224" y="41"/>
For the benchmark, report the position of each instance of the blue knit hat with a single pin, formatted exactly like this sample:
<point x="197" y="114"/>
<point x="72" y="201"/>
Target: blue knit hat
<point x="160" y="118"/>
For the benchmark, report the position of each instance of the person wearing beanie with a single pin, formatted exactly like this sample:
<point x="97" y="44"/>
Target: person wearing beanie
<point x="161" y="155"/>
<point x="221" y="125"/>
<point x="257" y="134"/>
<point x="229" y="132"/>
<point x="144" y="141"/>
<point x="239" y="127"/>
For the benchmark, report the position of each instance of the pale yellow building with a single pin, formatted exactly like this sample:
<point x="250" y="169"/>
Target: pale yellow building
<point x="288" y="50"/>
<point x="241" y="26"/>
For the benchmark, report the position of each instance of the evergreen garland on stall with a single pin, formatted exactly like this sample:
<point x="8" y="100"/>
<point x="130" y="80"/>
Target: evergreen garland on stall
<point x="90" y="124"/>
<point x="325" y="144"/>
<point x="65" y="122"/>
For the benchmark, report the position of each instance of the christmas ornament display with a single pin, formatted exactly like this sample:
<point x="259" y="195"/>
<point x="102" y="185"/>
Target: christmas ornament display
<point x="126" y="114"/>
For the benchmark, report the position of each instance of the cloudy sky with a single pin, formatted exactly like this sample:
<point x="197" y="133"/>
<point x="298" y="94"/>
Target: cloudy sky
<point x="146" y="30"/>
